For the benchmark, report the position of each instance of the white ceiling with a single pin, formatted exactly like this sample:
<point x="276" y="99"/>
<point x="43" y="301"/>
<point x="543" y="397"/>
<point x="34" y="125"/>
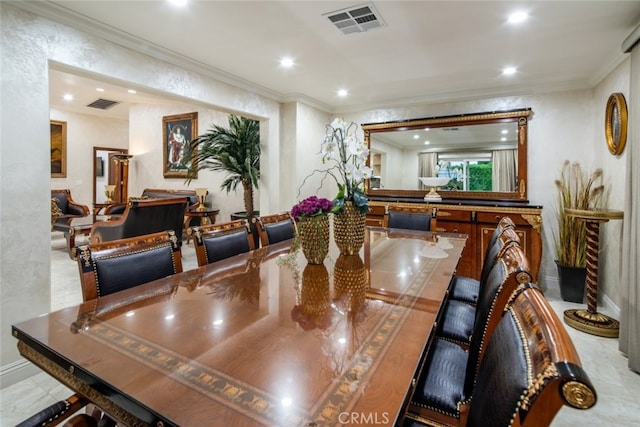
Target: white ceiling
<point x="427" y="51"/>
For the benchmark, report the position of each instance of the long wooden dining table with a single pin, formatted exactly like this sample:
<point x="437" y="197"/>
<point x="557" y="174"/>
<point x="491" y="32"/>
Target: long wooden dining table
<point x="262" y="338"/>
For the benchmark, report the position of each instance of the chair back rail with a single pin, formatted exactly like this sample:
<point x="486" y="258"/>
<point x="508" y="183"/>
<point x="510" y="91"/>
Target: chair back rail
<point x="112" y="266"/>
<point x="215" y="242"/>
<point x="143" y="217"/>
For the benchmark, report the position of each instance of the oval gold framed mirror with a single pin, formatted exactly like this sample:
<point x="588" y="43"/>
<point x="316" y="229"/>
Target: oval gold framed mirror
<point x="615" y="123"/>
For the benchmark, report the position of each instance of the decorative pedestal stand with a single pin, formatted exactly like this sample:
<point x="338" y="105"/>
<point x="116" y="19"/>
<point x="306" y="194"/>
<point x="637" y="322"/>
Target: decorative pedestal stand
<point x="589" y="320"/>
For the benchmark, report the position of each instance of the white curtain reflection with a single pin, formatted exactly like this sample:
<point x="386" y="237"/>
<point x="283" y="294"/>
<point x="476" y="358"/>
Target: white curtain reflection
<point x="427" y="163"/>
<point x="505" y="170"/>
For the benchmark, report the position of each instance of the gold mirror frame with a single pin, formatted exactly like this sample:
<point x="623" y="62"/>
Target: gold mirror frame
<point x="615" y="123"/>
<point x="520" y="116"/>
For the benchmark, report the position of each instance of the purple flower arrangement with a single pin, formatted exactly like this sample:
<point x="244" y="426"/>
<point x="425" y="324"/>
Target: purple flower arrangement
<point x="311" y="206"/>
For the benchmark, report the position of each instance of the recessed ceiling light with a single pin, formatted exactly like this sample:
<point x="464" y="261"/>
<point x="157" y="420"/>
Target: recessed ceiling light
<point x="517" y="17"/>
<point x="504" y="131"/>
<point x="426" y="129"/>
<point x="68" y="97"/>
<point x="416" y="136"/>
<point x="99" y="89"/>
<point x="343" y="92"/>
<point x="286" y="62"/>
<point x="427" y="142"/>
<point x="503" y="139"/>
<point x="131" y="91"/>
<point x="178" y="2"/>
<point x="507" y="71"/>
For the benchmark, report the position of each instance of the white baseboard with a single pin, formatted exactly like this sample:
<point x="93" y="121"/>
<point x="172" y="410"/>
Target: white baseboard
<point x="551" y="288"/>
<point x="17" y="371"/>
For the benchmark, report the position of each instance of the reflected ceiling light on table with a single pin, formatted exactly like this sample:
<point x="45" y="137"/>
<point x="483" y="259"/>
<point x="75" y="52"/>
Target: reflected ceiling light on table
<point x="433" y="182"/>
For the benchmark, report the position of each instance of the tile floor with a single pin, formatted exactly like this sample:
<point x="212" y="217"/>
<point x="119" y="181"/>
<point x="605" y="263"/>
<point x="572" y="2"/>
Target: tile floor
<point x="618" y="387"/>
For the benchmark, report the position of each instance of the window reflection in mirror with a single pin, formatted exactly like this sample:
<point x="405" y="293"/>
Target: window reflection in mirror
<point x="481" y="153"/>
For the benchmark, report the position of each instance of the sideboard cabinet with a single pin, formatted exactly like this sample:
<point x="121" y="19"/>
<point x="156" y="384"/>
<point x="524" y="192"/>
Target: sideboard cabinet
<point x="478" y="221"/>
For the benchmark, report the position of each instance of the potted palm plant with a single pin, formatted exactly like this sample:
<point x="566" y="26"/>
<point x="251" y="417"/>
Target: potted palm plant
<point x="234" y="150"/>
<point x="577" y="189"/>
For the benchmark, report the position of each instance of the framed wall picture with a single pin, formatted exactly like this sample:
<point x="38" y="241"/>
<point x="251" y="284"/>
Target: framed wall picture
<point x="99" y="166"/>
<point x="177" y="133"/>
<point x="58" y="137"/>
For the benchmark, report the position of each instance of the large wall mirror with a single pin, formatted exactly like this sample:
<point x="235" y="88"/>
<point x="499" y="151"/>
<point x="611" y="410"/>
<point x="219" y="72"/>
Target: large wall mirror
<point x="104" y="172"/>
<point x="483" y="154"/>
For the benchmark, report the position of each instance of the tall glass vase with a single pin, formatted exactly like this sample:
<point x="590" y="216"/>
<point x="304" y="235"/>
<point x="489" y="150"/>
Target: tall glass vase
<point x="313" y="233"/>
<point x="348" y="229"/>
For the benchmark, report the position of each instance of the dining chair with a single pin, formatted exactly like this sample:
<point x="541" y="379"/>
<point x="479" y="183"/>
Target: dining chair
<point x="215" y="242"/>
<point x="275" y="228"/>
<point x="116" y="265"/>
<point x="409" y="218"/>
<point x="529" y="371"/>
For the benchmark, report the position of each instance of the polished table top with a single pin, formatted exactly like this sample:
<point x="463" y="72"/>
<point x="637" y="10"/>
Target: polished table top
<point x="259" y="339"/>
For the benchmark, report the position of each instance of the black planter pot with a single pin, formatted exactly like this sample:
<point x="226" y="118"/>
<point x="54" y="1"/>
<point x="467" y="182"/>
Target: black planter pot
<point x="572" y="282"/>
<point x="252" y="225"/>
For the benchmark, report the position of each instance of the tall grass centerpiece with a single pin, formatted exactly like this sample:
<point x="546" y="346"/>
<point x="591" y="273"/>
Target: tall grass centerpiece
<point x="577" y="189"/>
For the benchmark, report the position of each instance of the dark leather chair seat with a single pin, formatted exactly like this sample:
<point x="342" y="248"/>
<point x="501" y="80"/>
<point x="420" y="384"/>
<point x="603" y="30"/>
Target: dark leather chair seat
<point x="467" y="289"/>
<point x="457" y="322"/>
<point x="279" y="232"/>
<point x="464" y="289"/>
<point x="460" y="321"/>
<point x="409" y="221"/>
<point x="226" y="246"/>
<point x="442" y="388"/>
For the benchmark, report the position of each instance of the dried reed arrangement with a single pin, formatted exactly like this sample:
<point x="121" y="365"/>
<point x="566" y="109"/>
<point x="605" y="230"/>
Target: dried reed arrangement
<point x="577" y="189"/>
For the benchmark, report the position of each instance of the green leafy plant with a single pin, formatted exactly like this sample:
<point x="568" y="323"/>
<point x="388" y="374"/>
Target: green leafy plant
<point x="577" y="189"/>
<point x="234" y="150"/>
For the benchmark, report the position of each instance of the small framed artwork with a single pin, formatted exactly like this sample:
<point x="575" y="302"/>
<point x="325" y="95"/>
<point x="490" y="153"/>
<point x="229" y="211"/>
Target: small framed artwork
<point x="99" y="166"/>
<point x="58" y="137"/>
<point x="177" y="133"/>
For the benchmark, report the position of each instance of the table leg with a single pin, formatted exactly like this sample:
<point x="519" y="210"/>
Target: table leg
<point x="70" y="236"/>
<point x="589" y="320"/>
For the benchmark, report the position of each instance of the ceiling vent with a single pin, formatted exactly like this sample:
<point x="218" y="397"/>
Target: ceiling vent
<point x="356" y="19"/>
<point x="102" y="104"/>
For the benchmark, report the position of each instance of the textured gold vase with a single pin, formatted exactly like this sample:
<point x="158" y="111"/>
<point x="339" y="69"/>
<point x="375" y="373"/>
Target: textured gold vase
<point x="349" y="282"/>
<point x="314" y="238"/>
<point x="348" y="229"/>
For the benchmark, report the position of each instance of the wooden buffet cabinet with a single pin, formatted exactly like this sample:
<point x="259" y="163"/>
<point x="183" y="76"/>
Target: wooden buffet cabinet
<point x="478" y="220"/>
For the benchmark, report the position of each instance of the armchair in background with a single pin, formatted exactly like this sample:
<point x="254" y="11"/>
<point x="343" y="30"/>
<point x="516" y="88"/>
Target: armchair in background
<point x="143" y="217"/>
<point x="67" y="206"/>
